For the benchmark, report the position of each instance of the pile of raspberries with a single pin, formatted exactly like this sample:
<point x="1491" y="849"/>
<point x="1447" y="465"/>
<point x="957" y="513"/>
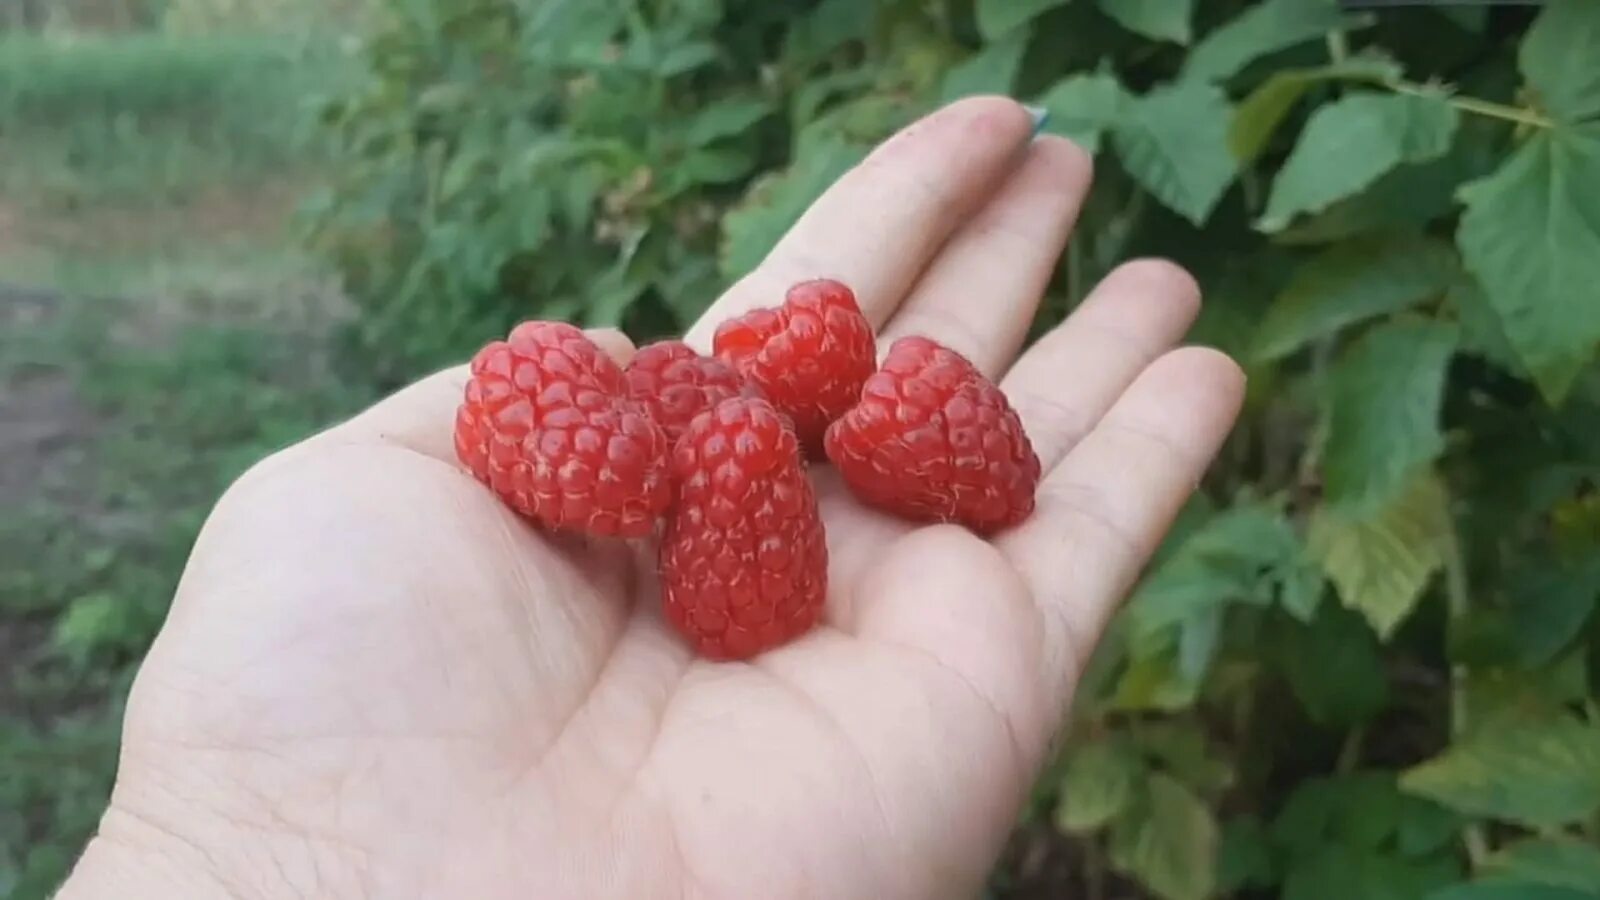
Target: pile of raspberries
<point x="717" y="447"/>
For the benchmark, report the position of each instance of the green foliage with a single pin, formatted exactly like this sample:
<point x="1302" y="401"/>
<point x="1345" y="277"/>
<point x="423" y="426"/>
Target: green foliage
<point x="1362" y="665"/>
<point x="151" y="116"/>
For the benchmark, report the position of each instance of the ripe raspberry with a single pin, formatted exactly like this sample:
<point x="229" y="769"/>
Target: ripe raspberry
<point x="808" y="356"/>
<point x="676" y="384"/>
<point x="744" y="562"/>
<point x="547" y="423"/>
<point x="934" y="440"/>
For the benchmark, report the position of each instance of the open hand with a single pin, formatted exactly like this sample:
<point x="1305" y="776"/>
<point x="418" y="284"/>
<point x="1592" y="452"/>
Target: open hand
<point x="377" y="681"/>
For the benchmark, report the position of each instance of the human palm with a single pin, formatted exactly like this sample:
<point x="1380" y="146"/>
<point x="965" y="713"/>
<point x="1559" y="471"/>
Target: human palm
<point x="378" y="681"/>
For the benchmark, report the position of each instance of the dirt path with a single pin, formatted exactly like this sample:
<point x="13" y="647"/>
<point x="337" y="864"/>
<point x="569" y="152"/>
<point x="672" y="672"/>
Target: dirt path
<point x="43" y="421"/>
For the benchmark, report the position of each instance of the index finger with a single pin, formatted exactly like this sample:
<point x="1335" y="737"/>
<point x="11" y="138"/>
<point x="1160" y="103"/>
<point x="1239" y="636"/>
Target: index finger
<point x="882" y="222"/>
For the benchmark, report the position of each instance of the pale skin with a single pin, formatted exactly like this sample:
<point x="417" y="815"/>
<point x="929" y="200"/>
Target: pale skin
<point x="377" y="681"/>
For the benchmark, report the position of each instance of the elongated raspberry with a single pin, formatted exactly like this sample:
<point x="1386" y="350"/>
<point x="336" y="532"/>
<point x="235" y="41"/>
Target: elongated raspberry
<point x="808" y="356"/>
<point x="547" y="423"/>
<point x="676" y="384"/>
<point x="934" y="440"/>
<point x="744" y="561"/>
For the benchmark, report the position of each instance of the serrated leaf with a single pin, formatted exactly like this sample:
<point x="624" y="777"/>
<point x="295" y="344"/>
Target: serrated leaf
<point x="1336" y="872"/>
<point x="1548" y="604"/>
<point x="1351" y="282"/>
<point x="1248" y="554"/>
<point x="1262" y="29"/>
<point x="1560" y="56"/>
<point x="1083" y="108"/>
<point x="991" y="70"/>
<point x="1260" y="113"/>
<point x="1412" y="194"/>
<point x="1153" y="682"/>
<point x="1245" y="857"/>
<point x="825" y="28"/>
<point x="1481" y="331"/>
<point x="1168" y="842"/>
<point x="1163" y="20"/>
<point x="1359" y="809"/>
<point x="723" y="119"/>
<point x="1099" y="782"/>
<point x="1552" y="861"/>
<point x="1531" y="236"/>
<point x="1379" y="561"/>
<point x="1180" y="748"/>
<point x="1383" y="411"/>
<point x="1174" y="142"/>
<point x="1350" y="143"/>
<point x="752" y="228"/>
<point x="999" y="17"/>
<point x="1337" y="641"/>
<point x="1509" y="889"/>
<point x="1541" y="774"/>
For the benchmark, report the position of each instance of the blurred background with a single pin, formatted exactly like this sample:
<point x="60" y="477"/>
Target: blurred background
<point x="1362" y="666"/>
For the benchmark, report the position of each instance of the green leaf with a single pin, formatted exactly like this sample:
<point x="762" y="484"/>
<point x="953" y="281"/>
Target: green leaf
<point x="1531" y="235"/>
<point x="828" y="26"/>
<point x="999" y="17"/>
<point x="1383" y="411"/>
<point x="1379" y="561"/>
<point x="1350" y="143"/>
<point x="991" y="70"/>
<point x="1336" y="872"/>
<point x="752" y="228"/>
<point x="1163" y="20"/>
<point x="1260" y="114"/>
<point x="1337" y="641"/>
<point x="1541" y="774"/>
<point x="1548" y="603"/>
<point x="1481" y="332"/>
<point x="1180" y="747"/>
<point x="1168" y="842"/>
<point x="1354" y="281"/>
<point x="723" y="119"/>
<point x="715" y="165"/>
<point x="1244" y="860"/>
<point x="1174" y="142"/>
<point x="1084" y="107"/>
<point x="1262" y="29"/>
<point x="1561" y="58"/>
<point x="1553" y="861"/>
<point x="1410" y="195"/>
<point x="1509" y="889"/>
<point x="1100" y="781"/>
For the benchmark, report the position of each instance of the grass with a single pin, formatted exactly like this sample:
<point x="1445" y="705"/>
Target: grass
<point x="160" y="330"/>
<point x="154" y="117"/>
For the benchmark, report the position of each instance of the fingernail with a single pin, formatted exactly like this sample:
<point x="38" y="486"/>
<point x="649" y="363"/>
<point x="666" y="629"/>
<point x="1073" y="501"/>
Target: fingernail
<point x="1040" y="116"/>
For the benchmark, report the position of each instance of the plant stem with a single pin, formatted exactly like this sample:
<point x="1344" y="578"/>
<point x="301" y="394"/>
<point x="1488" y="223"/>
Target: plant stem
<point x="1350" y="752"/>
<point x="1474" y="105"/>
<point x="1338" y="47"/>
<point x="1460" y="601"/>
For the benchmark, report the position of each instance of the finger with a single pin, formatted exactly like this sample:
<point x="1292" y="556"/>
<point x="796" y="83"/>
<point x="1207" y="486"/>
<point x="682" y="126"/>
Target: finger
<point x="880" y="224"/>
<point x="1103" y="510"/>
<point x="421" y="416"/>
<point x="979" y="296"/>
<point x="1064" y="383"/>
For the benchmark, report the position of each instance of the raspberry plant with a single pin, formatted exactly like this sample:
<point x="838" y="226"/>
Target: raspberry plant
<point x="1364" y="663"/>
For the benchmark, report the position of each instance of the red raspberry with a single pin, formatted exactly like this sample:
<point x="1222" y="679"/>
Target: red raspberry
<point x="744" y="562"/>
<point x="934" y="440"/>
<point x="676" y="384"/>
<point x="547" y="423"/>
<point x="808" y="356"/>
